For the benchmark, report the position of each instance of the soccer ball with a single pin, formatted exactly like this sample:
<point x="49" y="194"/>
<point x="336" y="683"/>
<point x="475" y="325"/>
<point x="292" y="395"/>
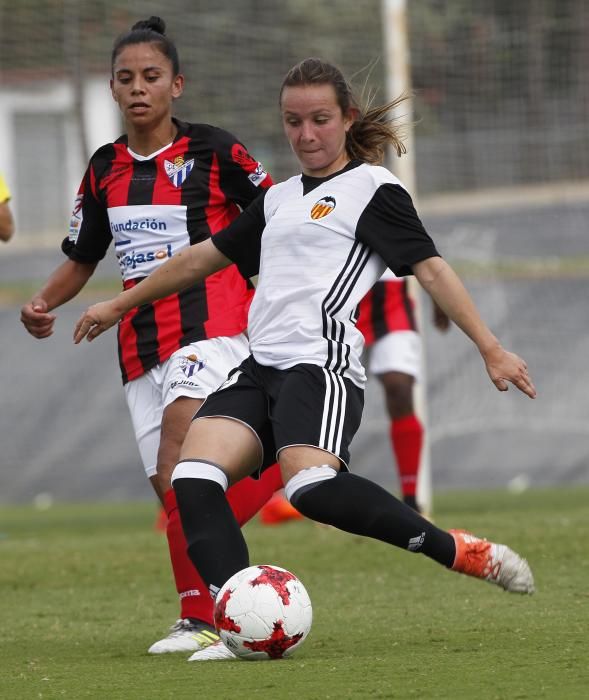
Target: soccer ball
<point x="263" y="612"/>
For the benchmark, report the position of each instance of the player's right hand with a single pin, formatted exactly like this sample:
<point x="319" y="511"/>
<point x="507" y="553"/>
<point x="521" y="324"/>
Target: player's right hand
<point x="36" y="319"/>
<point x="96" y="319"/>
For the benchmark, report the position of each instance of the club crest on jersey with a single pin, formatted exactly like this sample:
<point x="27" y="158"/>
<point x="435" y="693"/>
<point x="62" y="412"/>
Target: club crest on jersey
<point x="323" y="207"/>
<point x="178" y="171"/>
<point x="190" y="364"/>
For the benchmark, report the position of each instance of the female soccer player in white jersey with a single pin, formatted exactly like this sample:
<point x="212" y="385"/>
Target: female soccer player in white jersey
<point x="161" y="187"/>
<point x="319" y="241"/>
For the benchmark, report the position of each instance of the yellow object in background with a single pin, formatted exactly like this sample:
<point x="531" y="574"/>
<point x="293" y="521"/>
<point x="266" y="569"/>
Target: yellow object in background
<point x="4" y="191"/>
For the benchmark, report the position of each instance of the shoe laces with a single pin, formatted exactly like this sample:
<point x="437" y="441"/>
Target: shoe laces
<point x="479" y="559"/>
<point x="180" y="626"/>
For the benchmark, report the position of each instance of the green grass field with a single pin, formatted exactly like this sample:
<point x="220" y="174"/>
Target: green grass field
<point x="85" y="589"/>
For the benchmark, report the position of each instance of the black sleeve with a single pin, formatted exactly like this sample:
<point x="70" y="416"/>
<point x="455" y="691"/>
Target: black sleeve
<point x="241" y="241"/>
<point x="391" y="227"/>
<point x="89" y="231"/>
<point x="242" y="177"/>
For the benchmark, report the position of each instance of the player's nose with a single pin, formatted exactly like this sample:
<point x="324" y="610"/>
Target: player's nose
<point x="307" y="132"/>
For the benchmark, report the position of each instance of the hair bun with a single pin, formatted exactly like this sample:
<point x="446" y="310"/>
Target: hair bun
<point x="155" y="24"/>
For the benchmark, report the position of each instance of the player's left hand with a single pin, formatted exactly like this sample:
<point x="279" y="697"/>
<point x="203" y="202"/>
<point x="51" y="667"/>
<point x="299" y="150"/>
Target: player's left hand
<point x="506" y="367"/>
<point x="96" y="319"/>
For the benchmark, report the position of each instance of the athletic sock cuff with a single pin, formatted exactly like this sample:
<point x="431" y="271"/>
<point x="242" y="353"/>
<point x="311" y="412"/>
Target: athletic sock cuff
<point x="308" y="477"/>
<point x="200" y="469"/>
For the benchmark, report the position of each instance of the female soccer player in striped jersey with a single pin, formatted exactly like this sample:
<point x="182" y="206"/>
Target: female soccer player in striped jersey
<point x="319" y="242"/>
<point x="161" y="187"/>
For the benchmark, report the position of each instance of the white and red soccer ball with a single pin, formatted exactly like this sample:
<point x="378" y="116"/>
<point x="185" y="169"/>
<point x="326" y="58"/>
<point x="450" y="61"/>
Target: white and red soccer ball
<point x="263" y="612"/>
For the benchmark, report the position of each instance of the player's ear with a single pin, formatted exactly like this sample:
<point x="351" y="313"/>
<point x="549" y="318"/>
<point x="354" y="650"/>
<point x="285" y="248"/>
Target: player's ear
<point x="177" y="86"/>
<point x="112" y="92"/>
<point x="350" y="117"/>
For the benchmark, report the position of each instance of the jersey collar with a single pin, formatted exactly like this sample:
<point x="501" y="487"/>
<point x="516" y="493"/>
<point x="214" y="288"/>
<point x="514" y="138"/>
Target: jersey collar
<point x="310" y="183"/>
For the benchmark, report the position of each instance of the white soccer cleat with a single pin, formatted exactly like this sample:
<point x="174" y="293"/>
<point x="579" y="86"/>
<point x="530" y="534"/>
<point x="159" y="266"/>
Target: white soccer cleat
<point x="491" y="562"/>
<point x="185" y="635"/>
<point x="215" y="652"/>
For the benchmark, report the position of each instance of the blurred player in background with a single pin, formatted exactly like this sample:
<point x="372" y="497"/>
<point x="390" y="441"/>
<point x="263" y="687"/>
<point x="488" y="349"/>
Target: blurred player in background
<point x="319" y="242"/>
<point x="161" y="187"/>
<point x="387" y="322"/>
<point x="6" y="218"/>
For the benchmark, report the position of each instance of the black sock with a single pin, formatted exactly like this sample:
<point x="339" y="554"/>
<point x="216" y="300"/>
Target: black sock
<point x="357" y="505"/>
<point x="216" y="546"/>
<point x="411" y="502"/>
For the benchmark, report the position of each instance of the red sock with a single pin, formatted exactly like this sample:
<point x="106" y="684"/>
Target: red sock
<point x="407" y="439"/>
<point x="195" y="599"/>
<point x="245" y="498"/>
<point x="249" y="495"/>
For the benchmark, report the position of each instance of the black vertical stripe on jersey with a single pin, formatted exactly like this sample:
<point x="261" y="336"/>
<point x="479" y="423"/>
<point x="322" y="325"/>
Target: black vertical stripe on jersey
<point x="193" y="304"/>
<point x="142" y="182"/>
<point x="377" y="312"/>
<point x="141" y="192"/>
<point x="193" y="301"/>
<point x="408" y="306"/>
<point x="336" y="298"/>
<point x="124" y="375"/>
<point x="329" y="302"/>
<point x="146" y="329"/>
<point x="346" y="358"/>
<point x="350" y="283"/>
<point x="102" y="169"/>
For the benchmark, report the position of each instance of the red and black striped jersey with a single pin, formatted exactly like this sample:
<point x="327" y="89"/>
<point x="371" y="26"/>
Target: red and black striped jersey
<point x="388" y="307"/>
<point x="154" y="206"/>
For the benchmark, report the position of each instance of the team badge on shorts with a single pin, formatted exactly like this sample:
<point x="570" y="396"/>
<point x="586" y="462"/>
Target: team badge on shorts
<point x="178" y="171"/>
<point x="190" y="364"/>
<point x="323" y="207"/>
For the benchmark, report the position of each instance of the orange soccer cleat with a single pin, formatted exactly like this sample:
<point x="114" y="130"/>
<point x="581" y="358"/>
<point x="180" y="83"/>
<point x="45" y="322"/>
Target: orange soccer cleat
<point x="278" y="510"/>
<point x="491" y="562"/>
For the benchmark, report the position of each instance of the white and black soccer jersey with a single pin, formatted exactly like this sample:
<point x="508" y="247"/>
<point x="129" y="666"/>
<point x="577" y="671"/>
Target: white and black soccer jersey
<point x="319" y="245"/>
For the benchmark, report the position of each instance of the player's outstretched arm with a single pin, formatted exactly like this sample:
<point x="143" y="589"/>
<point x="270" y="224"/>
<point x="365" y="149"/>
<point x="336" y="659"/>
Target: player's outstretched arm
<point x="446" y="289"/>
<point x="63" y="284"/>
<point x="188" y="266"/>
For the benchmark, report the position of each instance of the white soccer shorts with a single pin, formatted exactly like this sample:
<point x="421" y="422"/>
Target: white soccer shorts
<point x="398" y="351"/>
<point x="193" y="371"/>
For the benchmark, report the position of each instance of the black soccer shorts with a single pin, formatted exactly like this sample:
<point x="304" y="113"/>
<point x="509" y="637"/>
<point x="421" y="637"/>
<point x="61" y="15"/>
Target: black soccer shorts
<point x="303" y="405"/>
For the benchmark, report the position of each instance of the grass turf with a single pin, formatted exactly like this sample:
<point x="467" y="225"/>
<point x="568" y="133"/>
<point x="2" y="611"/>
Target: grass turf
<point x="86" y="588"/>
